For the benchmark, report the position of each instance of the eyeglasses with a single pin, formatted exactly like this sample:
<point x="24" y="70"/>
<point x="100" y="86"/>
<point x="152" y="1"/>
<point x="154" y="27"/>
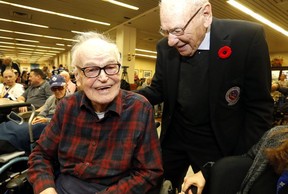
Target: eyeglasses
<point x="92" y="72"/>
<point x="178" y="31"/>
<point x="55" y="88"/>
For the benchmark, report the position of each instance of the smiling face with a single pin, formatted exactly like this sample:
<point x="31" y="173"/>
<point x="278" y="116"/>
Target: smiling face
<point x="175" y="15"/>
<point x="103" y="89"/>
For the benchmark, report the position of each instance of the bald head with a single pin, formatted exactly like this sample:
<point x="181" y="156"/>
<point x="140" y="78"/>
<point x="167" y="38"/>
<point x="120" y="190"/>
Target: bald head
<point x="7" y="61"/>
<point x="9" y="77"/>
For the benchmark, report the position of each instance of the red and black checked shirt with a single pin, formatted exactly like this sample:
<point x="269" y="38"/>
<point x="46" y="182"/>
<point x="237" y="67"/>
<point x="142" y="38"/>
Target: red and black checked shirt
<point x="120" y="151"/>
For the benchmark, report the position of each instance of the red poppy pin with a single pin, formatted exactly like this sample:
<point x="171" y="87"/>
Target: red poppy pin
<point x="224" y="52"/>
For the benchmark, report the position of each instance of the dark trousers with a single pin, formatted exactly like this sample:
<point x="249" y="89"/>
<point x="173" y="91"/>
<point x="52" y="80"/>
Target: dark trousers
<point x="66" y="184"/>
<point x="181" y="150"/>
<point x="228" y="173"/>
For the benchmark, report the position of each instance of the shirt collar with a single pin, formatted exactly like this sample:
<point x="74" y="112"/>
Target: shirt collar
<point x="115" y="106"/>
<point x="205" y="44"/>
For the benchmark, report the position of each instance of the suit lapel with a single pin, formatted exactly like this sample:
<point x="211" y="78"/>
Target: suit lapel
<point x="217" y="66"/>
<point x="172" y="70"/>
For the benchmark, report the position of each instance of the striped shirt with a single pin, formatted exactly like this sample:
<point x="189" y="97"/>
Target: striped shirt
<point x="120" y="151"/>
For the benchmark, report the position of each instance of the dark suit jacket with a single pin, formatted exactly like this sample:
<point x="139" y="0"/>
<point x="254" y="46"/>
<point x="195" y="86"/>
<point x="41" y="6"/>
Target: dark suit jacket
<point x="238" y="126"/>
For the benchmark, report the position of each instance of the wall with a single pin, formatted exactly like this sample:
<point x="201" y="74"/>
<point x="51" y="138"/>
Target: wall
<point x="283" y="56"/>
<point x="143" y="65"/>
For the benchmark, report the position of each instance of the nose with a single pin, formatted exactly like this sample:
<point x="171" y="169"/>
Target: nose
<point x="172" y="40"/>
<point x="102" y="76"/>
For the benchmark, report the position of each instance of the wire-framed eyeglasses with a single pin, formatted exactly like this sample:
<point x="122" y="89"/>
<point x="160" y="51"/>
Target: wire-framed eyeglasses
<point x="178" y="31"/>
<point x="94" y="71"/>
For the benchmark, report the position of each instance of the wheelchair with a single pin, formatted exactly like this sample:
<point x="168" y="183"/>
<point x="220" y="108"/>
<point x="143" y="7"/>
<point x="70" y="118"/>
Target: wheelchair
<point x="13" y="166"/>
<point x="13" y="169"/>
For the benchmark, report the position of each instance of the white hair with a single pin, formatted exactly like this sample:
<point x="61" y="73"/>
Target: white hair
<point x="180" y="5"/>
<point x="100" y="45"/>
<point x="104" y="44"/>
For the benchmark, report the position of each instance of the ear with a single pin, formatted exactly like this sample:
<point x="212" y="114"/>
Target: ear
<point x="207" y="13"/>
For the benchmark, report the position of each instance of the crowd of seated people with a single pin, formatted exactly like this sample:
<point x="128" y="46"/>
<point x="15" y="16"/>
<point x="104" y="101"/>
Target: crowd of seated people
<point x="32" y="87"/>
<point x="15" y="137"/>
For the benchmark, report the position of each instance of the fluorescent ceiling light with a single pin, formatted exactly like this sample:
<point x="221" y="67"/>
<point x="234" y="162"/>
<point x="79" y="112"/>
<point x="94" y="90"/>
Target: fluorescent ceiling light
<point x="1" y="49"/>
<point x="122" y="4"/>
<point x="143" y="55"/>
<point x="6" y="42"/>
<point x="5" y="37"/>
<point x="25" y="40"/>
<point x="24" y="23"/>
<point x="7" y="46"/>
<point x="257" y="16"/>
<point x="145" y="51"/>
<point x="55" y="13"/>
<point x="59" y="44"/>
<point x="76" y="32"/>
<point x="24" y="48"/>
<point x="29" y="45"/>
<point x="37" y="35"/>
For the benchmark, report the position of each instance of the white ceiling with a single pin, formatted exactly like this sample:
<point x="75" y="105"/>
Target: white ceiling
<point x="145" y="20"/>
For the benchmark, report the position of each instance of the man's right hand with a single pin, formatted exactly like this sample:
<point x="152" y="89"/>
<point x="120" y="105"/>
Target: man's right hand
<point x="197" y="180"/>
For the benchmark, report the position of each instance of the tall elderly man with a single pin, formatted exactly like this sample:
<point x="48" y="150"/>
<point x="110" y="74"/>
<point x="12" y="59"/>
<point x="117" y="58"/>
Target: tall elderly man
<point x="214" y="78"/>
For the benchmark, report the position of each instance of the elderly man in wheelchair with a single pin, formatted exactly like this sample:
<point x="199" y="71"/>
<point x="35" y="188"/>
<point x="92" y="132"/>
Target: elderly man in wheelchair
<point x="103" y="139"/>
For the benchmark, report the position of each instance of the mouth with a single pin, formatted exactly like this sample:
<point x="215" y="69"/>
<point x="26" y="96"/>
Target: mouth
<point x="103" y="88"/>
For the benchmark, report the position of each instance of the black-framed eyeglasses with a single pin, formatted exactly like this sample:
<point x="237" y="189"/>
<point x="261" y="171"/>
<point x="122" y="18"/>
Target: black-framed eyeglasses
<point x="94" y="71"/>
<point x="178" y="31"/>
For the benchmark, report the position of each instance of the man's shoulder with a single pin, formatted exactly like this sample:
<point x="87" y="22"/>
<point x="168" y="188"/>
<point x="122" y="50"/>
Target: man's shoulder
<point x="235" y="23"/>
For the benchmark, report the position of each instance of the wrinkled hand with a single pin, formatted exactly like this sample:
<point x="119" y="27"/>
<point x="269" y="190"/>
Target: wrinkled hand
<point x="197" y="180"/>
<point x="39" y="120"/>
<point x="49" y="190"/>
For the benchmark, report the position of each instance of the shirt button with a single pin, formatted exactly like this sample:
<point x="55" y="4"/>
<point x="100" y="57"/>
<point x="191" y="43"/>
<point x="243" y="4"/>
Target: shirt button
<point x="87" y="164"/>
<point x="93" y="143"/>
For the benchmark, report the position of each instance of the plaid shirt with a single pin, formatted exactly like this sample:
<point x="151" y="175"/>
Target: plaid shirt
<point x="120" y="151"/>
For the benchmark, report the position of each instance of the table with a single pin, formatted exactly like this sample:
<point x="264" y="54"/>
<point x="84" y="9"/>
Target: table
<point x="5" y="103"/>
<point x="6" y="107"/>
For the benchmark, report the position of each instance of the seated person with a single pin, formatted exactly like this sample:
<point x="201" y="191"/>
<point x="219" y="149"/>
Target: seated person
<point x="71" y="87"/>
<point x="14" y="137"/>
<point x="249" y="173"/>
<point x="9" y="88"/>
<point x="38" y="91"/>
<point x="103" y="138"/>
